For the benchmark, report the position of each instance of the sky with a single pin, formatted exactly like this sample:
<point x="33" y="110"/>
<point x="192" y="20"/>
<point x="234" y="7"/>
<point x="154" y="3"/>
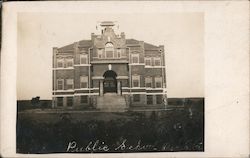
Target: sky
<point x="182" y="35"/>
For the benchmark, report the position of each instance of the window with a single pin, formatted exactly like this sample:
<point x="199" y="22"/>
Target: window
<point x="136" y="97"/>
<point x="60" y="101"/>
<point x="136" y="81"/>
<point x="149" y="99"/>
<point x="59" y="63"/>
<point x="69" y="101"/>
<point x="148" y="61"/>
<point x="84" y="99"/>
<point x="157" y="61"/>
<point x="70" y="83"/>
<point x="109" y="50"/>
<point x="135" y="58"/>
<point x="124" y="52"/>
<point x="148" y="81"/>
<point x="158" y="99"/>
<point x="119" y="52"/>
<point x="115" y="54"/>
<point x="83" y="59"/>
<point x="99" y="53"/>
<point x="60" y="84"/>
<point x="69" y="62"/>
<point x="158" y="82"/>
<point x="84" y="82"/>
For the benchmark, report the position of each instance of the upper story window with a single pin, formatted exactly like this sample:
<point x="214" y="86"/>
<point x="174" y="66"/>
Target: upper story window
<point x="118" y="52"/>
<point x="84" y="82"/>
<point x="69" y="62"/>
<point x="148" y="61"/>
<point x="70" y="83"/>
<point x="60" y="62"/>
<point x="100" y="53"/>
<point x="157" y="61"/>
<point x="60" y="85"/>
<point x="158" y="82"/>
<point x="124" y="52"/>
<point x="83" y="59"/>
<point x="136" y="81"/>
<point x="109" y="50"/>
<point x="135" y="58"/>
<point x="148" y="81"/>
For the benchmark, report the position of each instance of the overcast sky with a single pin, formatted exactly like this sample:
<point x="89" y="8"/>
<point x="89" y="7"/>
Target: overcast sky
<point x="181" y="33"/>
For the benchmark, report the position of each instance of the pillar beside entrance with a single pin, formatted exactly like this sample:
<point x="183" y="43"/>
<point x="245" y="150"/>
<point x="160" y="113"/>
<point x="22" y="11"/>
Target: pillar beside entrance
<point x="119" y="87"/>
<point x="101" y="87"/>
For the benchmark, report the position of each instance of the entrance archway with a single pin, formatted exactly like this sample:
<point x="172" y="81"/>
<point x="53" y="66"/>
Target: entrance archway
<point x="110" y="82"/>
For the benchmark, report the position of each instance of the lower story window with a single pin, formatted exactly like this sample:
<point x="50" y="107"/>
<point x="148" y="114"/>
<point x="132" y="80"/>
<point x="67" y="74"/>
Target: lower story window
<point x="158" y="99"/>
<point x="69" y="101"/>
<point x="136" y="97"/>
<point x="60" y="101"/>
<point x="84" y="99"/>
<point x="149" y="99"/>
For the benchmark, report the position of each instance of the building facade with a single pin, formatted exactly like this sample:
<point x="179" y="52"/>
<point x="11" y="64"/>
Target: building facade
<point x="87" y="71"/>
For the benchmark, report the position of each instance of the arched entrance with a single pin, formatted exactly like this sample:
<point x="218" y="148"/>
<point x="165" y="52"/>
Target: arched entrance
<point x="110" y="82"/>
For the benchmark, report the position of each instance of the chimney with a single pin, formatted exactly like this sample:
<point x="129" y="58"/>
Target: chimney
<point x="122" y="35"/>
<point x="161" y="48"/>
<point x="92" y="36"/>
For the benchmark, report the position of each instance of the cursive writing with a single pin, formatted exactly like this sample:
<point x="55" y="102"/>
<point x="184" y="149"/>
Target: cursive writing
<point x="101" y="146"/>
<point x="96" y="146"/>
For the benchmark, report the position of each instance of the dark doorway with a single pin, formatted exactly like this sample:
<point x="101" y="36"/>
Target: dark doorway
<point x="110" y="83"/>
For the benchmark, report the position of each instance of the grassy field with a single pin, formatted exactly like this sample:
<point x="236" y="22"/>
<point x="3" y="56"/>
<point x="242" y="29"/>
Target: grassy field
<point x="175" y="129"/>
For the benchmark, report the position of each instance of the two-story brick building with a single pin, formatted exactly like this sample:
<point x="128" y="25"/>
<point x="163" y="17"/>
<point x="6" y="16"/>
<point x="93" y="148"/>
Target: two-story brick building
<point x="108" y="66"/>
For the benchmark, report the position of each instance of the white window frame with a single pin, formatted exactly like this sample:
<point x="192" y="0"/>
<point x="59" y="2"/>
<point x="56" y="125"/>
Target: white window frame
<point x="110" y="46"/>
<point x="57" y="62"/>
<point x="99" y="53"/>
<point x="137" y="56"/>
<point x="123" y="52"/>
<point x="151" y="81"/>
<point x="119" y="52"/>
<point x="136" y="77"/>
<point x="148" y="58"/>
<point x="69" y="60"/>
<point x="57" y="85"/>
<point x="67" y="83"/>
<point x="158" y="79"/>
<point x="81" y="81"/>
<point x="83" y="56"/>
<point x="157" y="58"/>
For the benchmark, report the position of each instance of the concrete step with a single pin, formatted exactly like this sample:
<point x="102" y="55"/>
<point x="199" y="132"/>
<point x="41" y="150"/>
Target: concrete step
<point x="114" y="109"/>
<point x="111" y="102"/>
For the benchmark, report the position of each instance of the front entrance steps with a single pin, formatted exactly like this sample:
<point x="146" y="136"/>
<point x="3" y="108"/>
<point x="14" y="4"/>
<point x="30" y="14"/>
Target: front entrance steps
<point x="111" y="102"/>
